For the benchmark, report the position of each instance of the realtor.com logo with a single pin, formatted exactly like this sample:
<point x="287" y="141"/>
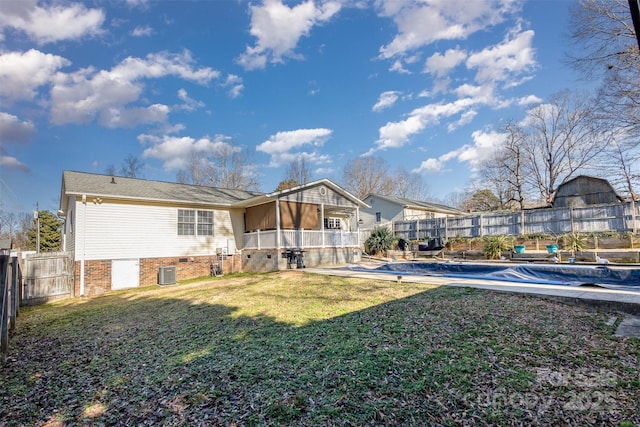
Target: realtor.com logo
<point x="573" y="391"/>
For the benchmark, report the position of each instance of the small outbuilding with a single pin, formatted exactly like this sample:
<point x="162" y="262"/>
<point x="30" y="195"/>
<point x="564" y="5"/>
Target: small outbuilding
<point x="583" y="191"/>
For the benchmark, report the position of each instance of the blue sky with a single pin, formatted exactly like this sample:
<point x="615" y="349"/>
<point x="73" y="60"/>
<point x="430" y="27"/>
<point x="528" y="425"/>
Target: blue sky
<point x="425" y="85"/>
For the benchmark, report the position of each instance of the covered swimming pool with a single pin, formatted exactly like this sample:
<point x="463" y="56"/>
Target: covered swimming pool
<point x="614" y="277"/>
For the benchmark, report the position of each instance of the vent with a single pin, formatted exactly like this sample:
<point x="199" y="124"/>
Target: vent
<point x="167" y="275"/>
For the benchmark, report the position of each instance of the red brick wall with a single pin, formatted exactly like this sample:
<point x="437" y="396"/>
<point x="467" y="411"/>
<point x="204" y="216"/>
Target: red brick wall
<point x="97" y="278"/>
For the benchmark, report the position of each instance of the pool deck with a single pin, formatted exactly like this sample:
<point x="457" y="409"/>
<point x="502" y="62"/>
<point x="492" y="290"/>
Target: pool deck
<point x="626" y="302"/>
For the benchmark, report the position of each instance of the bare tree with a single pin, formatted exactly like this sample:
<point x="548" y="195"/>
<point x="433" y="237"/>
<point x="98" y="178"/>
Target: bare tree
<point x="606" y="48"/>
<point x="502" y="173"/>
<point x="227" y="167"/>
<point x="561" y="138"/>
<point x="298" y="171"/>
<point x="410" y="185"/>
<point x="366" y="175"/>
<point x="623" y="157"/>
<point x="131" y="167"/>
<point x="14" y="226"/>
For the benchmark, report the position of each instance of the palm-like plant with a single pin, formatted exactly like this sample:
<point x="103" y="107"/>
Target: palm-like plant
<point x="575" y="242"/>
<point x="494" y="246"/>
<point x="380" y="240"/>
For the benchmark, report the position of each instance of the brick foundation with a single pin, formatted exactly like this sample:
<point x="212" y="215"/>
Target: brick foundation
<point x="97" y="273"/>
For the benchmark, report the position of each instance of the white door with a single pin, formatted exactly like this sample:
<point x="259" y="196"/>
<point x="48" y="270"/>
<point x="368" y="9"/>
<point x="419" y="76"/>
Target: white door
<point x="125" y="273"/>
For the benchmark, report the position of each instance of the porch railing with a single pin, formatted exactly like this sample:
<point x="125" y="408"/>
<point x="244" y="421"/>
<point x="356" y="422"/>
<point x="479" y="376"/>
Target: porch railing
<point x="301" y="239"/>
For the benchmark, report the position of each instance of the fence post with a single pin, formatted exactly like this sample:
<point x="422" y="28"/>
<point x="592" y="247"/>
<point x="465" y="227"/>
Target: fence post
<point x="4" y="305"/>
<point x="13" y="308"/>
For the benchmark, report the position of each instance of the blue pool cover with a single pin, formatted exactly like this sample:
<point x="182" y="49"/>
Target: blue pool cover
<point x="550" y="274"/>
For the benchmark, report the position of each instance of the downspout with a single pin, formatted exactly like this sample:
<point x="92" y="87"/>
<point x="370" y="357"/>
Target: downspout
<point x="84" y="240"/>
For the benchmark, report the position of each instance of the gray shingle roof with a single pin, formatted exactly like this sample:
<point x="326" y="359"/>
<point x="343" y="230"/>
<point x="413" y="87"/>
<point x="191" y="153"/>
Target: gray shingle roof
<point x="97" y="185"/>
<point x="435" y="207"/>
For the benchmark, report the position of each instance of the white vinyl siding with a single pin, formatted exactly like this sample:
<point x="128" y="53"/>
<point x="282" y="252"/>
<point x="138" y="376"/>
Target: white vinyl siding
<point x="119" y="231"/>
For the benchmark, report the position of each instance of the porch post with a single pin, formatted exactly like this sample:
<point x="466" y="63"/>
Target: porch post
<point x="358" y="225"/>
<point x="322" y="222"/>
<point x="278" y="223"/>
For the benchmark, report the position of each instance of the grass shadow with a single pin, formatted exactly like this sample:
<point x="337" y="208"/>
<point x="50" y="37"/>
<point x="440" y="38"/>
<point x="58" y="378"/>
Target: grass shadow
<point x="240" y="352"/>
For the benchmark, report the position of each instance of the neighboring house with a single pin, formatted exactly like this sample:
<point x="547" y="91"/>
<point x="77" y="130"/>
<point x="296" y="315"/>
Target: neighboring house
<point x="122" y="231"/>
<point x="583" y="191"/>
<point x="387" y="209"/>
<point x="5" y="246"/>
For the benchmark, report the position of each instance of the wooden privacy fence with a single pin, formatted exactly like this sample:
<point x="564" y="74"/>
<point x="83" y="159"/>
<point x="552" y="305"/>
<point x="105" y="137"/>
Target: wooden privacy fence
<point x="619" y="217"/>
<point x="10" y="279"/>
<point x="47" y="276"/>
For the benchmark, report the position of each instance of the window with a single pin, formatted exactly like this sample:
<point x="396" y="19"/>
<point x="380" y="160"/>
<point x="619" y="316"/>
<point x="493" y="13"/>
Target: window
<point x="205" y="223"/>
<point x="186" y="222"/>
<point x="188" y="226"/>
<point x="332" y="223"/>
<point x="378" y="217"/>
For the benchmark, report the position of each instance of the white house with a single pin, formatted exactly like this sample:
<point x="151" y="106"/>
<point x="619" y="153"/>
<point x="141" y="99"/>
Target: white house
<point x="124" y="231"/>
<point x="384" y="210"/>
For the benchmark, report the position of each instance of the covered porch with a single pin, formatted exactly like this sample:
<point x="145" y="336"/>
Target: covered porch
<point x="313" y="224"/>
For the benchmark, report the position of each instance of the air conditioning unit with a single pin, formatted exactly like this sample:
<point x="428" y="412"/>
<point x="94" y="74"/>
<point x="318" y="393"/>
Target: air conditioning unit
<point x="167" y="275"/>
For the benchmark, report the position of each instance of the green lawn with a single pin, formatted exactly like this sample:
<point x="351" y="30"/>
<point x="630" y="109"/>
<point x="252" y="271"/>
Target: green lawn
<point x="294" y="348"/>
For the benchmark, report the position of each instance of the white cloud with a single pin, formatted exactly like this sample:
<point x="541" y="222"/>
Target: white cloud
<point x="142" y="31"/>
<point x="386" y="100"/>
<point x="282" y="145"/>
<point x="21" y="73"/>
<point x="234" y="85"/>
<point x="12" y="130"/>
<point x="422" y="23"/>
<point x="440" y="65"/>
<point x="528" y="100"/>
<point x="483" y="147"/>
<point x="429" y="166"/>
<point x="398" y="67"/>
<point x="190" y="104"/>
<point x="81" y="96"/>
<point x="514" y="56"/>
<point x="9" y="162"/>
<point x="131" y="117"/>
<point x="397" y="134"/>
<point x="177" y="152"/>
<point x="51" y="22"/>
<point x="278" y="28"/>
<point x="465" y="119"/>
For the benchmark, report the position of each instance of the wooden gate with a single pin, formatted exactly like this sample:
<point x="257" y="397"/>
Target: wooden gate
<point x="47" y="276"/>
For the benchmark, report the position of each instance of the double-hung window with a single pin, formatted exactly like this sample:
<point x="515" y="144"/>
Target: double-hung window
<point x="186" y="222"/>
<point x="205" y="223"/>
<point x="191" y="223"/>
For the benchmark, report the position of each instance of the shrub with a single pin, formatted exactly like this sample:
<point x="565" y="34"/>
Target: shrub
<point x="575" y="242"/>
<point x="495" y="245"/>
<point x="380" y="240"/>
